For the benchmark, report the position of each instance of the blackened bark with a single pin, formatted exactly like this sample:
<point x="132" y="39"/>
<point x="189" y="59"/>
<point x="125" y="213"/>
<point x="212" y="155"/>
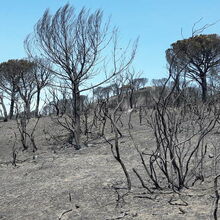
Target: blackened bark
<point x="178" y="92"/>
<point x="28" y="109"/>
<point x="204" y="87"/>
<point x="37" y="103"/>
<point x="76" y="116"/>
<point x="131" y="98"/>
<point x="11" y="113"/>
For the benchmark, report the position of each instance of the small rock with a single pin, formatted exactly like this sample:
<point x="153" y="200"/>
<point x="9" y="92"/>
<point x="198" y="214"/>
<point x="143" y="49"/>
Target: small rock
<point x="211" y="155"/>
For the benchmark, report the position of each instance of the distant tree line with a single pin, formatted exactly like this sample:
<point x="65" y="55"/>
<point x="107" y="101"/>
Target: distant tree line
<point x="67" y="49"/>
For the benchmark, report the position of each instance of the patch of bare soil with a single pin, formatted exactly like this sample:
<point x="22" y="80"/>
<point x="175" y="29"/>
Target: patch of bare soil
<point x="61" y="183"/>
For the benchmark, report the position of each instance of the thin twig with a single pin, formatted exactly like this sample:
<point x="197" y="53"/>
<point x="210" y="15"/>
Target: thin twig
<point x="65" y="212"/>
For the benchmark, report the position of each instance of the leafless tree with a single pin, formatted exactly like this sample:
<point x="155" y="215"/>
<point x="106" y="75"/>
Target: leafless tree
<point x="25" y="128"/>
<point x="179" y="133"/>
<point x="115" y="148"/>
<point x="134" y="83"/>
<point x="57" y="102"/>
<point x="74" y="43"/>
<point x="118" y="88"/>
<point x="42" y="77"/>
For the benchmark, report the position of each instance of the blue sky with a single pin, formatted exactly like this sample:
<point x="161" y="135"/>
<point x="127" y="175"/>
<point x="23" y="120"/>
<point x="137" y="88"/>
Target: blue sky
<point x="158" y="23"/>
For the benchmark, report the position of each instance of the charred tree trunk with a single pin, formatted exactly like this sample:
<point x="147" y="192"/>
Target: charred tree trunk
<point x="4" y="109"/>
<point x="178" y="92"/>
<point x="27" y="109"/>
<point x="37" y="103"/>
<point x="204" y="87"/>
<point x="76" y="141"/>
<point x="11" y="113"/>
<point x="131" y="104"/>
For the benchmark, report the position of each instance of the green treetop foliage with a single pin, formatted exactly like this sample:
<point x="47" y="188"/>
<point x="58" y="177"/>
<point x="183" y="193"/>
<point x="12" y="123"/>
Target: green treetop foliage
<point x="196" y="55"/>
